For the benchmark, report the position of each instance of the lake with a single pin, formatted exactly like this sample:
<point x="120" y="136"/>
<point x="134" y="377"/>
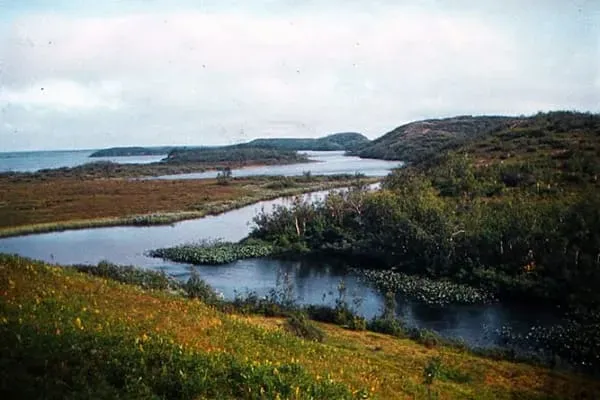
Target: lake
<point x="31" y="161"/>
<point x="326" y="163"/>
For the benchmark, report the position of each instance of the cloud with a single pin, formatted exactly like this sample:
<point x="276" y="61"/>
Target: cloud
<point x="64" y="96"/>
<point x="208" y="77"/>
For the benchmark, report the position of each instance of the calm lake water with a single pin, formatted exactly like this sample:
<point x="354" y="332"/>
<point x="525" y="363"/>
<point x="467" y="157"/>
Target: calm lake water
<point x="328" y="163"/>
<point x="313" y="282"/>
<point x="31" y="161"/>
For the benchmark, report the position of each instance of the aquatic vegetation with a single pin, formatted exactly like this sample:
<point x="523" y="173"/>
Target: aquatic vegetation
<point x="572" y="343"/>
<point x="214" y="253"/>
<point x="439" y="292"/>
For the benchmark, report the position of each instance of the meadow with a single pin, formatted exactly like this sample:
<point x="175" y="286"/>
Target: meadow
<point x="69" y="334"/>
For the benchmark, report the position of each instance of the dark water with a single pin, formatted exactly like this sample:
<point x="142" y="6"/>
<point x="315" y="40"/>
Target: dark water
<point x="31" y="161"/>
<point x="313" y="282"/>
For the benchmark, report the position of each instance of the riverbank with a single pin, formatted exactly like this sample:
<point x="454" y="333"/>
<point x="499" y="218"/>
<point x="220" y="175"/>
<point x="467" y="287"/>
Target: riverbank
<point x="143" y="342"/>
<point x="68" y="203"/>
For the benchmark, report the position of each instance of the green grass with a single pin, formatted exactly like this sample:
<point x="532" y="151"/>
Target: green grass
<point x="65" y="334"/>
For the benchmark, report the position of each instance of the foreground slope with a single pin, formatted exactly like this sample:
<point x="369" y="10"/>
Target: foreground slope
<point x="70" y="335"/>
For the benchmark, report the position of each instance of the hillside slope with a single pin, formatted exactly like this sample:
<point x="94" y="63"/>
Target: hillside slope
<point x="421" y="139"/>
<point x="70" y="335"/>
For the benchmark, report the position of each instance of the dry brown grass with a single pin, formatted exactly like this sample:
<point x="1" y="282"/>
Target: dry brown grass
<point x="23" y="203"/>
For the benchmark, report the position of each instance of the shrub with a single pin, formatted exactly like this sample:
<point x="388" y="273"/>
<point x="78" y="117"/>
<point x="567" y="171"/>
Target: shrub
<point x="301" y="326"/>
<point x="196" y="288"/>
<point x="131" y="275"/>
<point x="387" y="326"/>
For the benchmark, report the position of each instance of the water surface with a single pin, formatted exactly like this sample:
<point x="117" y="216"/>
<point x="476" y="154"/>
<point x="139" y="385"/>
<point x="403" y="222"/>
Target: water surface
<point x="31" y="161"/>
<point x="312" y="282"/>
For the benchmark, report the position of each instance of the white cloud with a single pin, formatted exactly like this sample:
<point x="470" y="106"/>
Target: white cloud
<point x="202" y="78"/>
<point x="64" y="96"/>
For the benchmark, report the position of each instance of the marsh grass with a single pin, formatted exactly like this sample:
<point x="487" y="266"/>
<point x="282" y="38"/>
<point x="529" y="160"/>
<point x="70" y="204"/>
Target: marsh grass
<point x="124" y="203"/>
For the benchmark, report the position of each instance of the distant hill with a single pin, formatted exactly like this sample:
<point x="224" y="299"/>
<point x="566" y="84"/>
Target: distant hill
<point x="338" y="141"/>
<point x="418" y="140"/>
<point x="234" y="154"/>
<point x="133" y="151"/>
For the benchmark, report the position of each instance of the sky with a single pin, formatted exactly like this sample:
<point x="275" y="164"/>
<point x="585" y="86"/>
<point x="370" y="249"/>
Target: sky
<point x="93" y="74"/>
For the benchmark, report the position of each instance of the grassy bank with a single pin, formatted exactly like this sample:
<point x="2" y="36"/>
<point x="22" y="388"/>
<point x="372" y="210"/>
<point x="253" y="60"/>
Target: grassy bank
<point x="58" y="204"/>
<point x="67" y="335"/>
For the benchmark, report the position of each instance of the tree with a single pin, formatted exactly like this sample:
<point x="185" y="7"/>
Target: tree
<point x="224" y="176"/>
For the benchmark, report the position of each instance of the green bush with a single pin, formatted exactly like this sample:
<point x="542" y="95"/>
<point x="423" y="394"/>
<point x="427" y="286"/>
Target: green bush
<point x="301" y="326"/>
<point x="144" y="278"/>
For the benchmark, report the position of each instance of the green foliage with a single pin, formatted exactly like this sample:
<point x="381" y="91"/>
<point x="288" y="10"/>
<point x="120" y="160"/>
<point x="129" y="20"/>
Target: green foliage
<point x="197" y="288"/>
<point x="224" y="176"/>
<point x="432" y="370"/>
<point x="146" y="279"/>
<point x="214" y="253"/>
<point x="78" y="363"/>
<point x="388" y="326"/>
<point x="301" y="326"/>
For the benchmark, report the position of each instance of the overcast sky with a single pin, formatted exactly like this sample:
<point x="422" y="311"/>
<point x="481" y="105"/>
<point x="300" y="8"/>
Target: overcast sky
<point x="89" y="73"/>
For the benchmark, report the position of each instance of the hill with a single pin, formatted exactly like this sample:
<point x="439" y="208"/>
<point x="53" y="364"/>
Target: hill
<point x="421" y="139"/>
<point x="234" y="154"/>
<point x="133" y="151"/>
<point x="336" y="142"/>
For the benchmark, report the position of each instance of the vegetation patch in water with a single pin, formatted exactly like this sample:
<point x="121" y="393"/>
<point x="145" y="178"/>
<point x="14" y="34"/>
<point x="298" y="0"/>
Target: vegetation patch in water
<point x="570" y="343"/>
<point x="214" y="252"/>
<point x="440" y="292"/>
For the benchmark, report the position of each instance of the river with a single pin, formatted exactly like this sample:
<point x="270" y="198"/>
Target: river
<point x="312" y="282"/>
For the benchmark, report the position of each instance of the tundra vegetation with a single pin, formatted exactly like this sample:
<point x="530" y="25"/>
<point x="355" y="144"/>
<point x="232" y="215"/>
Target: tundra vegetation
<point x="114" y="332"/>
<point x="512" y="214"/>
<point x="30" y="205"/>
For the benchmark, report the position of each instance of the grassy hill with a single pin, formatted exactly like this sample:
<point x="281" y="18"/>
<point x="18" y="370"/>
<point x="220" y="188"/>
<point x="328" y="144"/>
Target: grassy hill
<point x="337" y="141"/>
<point x="234" y="154"/>
<point x="421" y="139"/>
<point x="67" y="334"/>
<point x="133" y="151"/>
